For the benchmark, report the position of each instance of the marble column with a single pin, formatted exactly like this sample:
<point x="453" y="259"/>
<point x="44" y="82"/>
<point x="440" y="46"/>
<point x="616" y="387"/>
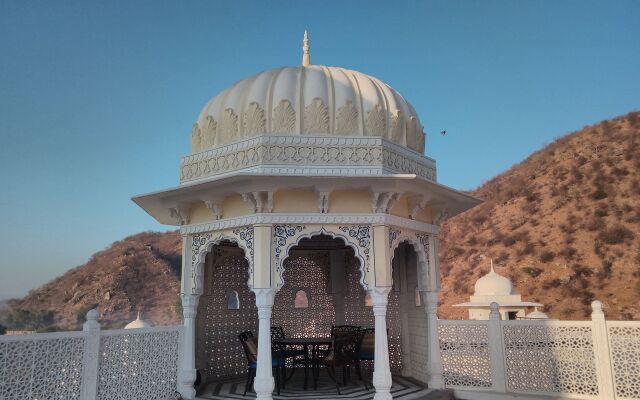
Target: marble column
<point x="381" y="371"/>
<point x="434" y="362"/>
<point x="188" y="372"/>
<point x="264" y="383"/>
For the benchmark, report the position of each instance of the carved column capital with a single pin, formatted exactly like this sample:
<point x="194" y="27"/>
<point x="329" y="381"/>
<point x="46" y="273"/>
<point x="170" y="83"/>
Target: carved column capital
<point x="264" y="297"/>
<point x="380" y="299"/>
<point x="189" y="305"/>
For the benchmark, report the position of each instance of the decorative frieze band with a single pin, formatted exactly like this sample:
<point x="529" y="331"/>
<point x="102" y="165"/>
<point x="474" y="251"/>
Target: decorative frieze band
<point x="311" y="219"/>
<point x="344" y="155"/>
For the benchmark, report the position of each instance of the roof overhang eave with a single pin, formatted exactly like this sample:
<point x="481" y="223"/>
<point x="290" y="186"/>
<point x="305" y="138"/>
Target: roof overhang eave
<point x="158" y="203"/>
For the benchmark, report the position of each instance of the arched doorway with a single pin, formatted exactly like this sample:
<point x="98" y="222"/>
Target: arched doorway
<point x="325" y="271"/>
<point x="406" y="317"/>
<point x="227" y="307"/>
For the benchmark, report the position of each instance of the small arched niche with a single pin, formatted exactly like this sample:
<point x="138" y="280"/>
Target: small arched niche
<point x="301" y="300"/>
<point x="233" y="300"/>
<point x="368" y="301"/>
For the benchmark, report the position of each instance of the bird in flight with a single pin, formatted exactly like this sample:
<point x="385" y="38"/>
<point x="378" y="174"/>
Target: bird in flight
<point x="443" y="132"/>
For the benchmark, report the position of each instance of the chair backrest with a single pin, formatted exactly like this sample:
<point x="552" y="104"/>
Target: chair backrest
<point x="367" y="340"/>
<point x="345" y="347"/>
<point x="250" y="346"/>
<point x="277" y="333"/>
<point x="337" y="330"/>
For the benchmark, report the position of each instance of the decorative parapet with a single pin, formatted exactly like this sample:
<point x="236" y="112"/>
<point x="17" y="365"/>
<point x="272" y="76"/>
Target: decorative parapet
<point x="316" y="155"/>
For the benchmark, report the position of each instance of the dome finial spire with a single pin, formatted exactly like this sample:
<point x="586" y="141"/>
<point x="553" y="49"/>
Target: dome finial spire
<point x="492" y="271"/>
<point x="306" y="58"/>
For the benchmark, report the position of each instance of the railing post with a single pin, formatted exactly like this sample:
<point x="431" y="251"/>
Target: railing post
<point x="187" y="372"/>
<point x="602" y="352"/>
<point x="496" y="350"/>
<point x="90" y="357"/>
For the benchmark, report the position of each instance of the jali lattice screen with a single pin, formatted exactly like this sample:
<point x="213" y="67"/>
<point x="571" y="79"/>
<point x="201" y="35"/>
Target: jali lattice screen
<point x="219" y="353"/>
<point x="138" y="364"/>
<point x="47" y="368"/>
<point x="464" y="348"/>
<point x="311" y="274"/>
<point x="624" y="342"/>
<point x="542" y="358"/>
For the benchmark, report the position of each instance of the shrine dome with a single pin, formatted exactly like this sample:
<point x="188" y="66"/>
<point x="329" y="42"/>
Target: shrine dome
<point x="308" y="100"/>
<point x="137" y="324"/>
<point x="493" y="284"/>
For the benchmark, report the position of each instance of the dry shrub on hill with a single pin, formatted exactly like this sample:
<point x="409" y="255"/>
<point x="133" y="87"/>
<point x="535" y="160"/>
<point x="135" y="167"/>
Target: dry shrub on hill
<point x="565" y="223"/>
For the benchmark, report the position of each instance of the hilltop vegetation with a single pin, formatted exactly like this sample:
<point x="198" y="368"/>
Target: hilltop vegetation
<point x="138" y="273"/>
<point x="564" y="225"/>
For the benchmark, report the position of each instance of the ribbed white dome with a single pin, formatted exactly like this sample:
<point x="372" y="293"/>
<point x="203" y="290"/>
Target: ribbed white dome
<point x="136" y="324"/>
<point x="493" y="284"/>
<point x="537" y="315"/>
<point x="315" y="100"/>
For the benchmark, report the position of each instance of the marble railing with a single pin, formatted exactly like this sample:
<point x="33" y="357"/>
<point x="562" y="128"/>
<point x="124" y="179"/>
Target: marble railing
<point x="594" y="359"/>
<point x="133" y="364"/>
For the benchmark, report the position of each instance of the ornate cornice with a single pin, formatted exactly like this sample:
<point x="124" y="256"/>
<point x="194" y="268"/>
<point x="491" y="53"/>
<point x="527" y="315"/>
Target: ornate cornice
<point x="317" y="155"/>
<point x="311" y="219"/>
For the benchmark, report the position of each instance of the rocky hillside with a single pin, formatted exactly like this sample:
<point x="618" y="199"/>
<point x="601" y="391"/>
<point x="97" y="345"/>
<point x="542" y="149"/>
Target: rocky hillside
<point x="564" y="225"/>
<point x="138" y="273"/>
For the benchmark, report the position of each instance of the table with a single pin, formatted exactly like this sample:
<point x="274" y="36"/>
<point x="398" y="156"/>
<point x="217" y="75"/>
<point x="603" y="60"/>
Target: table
<point x="310" y="343"/>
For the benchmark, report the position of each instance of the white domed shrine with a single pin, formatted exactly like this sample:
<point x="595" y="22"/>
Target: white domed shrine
<point x="307" y="182"/>
<point x="494" y="287"/>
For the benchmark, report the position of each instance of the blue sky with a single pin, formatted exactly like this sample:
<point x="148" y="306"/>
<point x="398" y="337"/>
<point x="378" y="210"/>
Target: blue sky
<point x="97" y="98"/>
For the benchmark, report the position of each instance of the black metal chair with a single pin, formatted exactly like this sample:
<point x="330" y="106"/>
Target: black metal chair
<point x="286" y="355"/>
<point x="343" y="329"/>
<point x="343" y="354"/>
<point x="366" y="349"/>
<point x="250" y="346"/>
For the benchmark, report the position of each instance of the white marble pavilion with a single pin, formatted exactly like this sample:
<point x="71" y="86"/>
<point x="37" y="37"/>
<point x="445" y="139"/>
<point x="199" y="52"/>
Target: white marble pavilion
<point x="310" y="183"/>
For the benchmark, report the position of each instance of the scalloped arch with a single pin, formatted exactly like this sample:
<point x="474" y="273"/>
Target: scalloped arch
<point x="423" y="259"/>
<point x="197" y="268"/>
<point x="322" y="231"/>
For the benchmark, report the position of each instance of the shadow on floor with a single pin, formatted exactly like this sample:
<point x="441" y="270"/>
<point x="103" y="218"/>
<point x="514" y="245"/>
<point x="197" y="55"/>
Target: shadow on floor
<point x="402" y="389"/>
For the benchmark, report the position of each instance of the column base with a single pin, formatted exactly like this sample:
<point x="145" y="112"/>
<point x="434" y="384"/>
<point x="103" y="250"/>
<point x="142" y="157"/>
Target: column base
<point x="264" y="388"/>
<point x="435" y="379"/>
<point x="382" y="383"/>
<point x="382" y="396"/>
<point x="185" y="387"/>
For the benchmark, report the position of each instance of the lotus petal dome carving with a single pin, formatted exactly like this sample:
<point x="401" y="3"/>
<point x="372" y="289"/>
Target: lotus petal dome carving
<point x="304" y="100"/>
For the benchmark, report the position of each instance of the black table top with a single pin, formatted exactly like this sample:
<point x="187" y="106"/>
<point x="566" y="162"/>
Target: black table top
<point x="302" y="341"/>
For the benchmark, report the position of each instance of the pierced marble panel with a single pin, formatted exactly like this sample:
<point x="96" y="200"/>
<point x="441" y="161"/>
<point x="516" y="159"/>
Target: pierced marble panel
<point x="44" y="369"/>
<point x="357" y="313"/>
<point x="138" y="365"/>
<point x="464" y="349"/>
<point x="624" y="342"/>
<point x="557" y="359"/>
<point x="311" y="274"/>
<point x="218" y="350"/>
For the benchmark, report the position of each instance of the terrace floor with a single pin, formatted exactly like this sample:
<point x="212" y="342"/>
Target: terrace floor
<point x="402" y="389"/>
